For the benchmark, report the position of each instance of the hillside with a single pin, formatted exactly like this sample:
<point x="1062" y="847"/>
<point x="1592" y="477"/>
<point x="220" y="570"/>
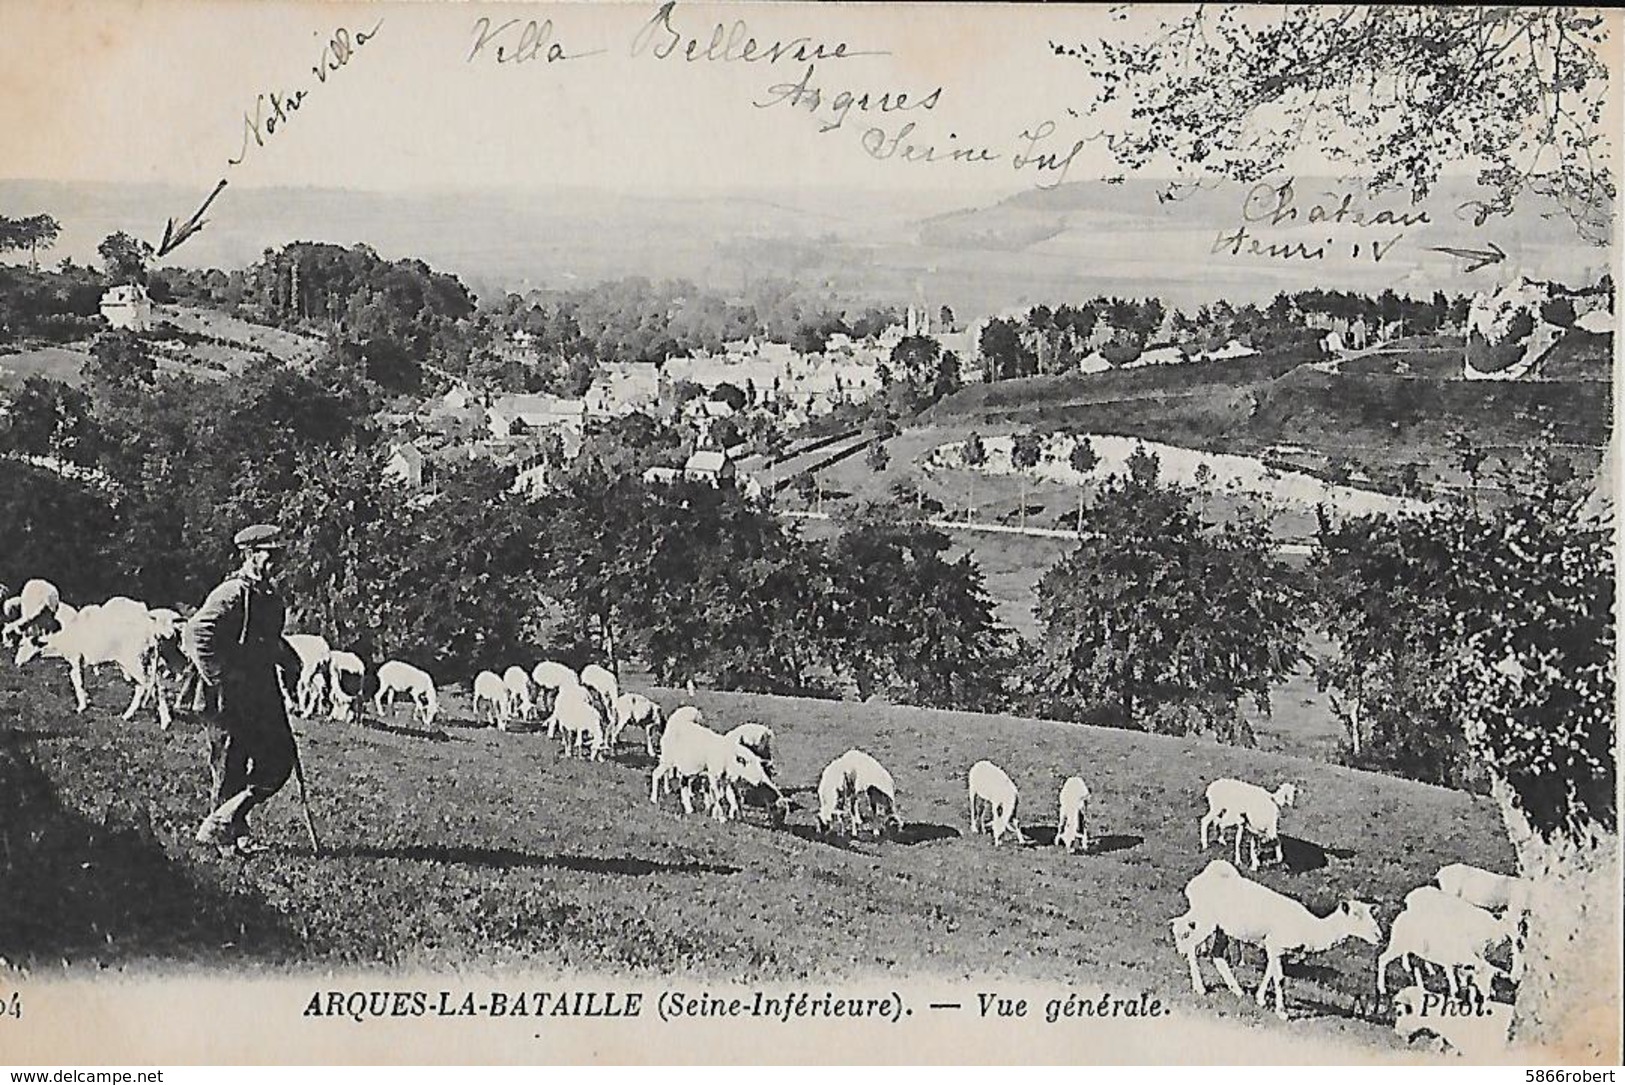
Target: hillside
<point x="184" y="339"/>
<point x="534" y="862"/>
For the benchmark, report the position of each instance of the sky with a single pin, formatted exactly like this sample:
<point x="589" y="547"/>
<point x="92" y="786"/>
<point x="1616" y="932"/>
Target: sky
<point x="158" y="90"/>
<point x="162" y="93"/>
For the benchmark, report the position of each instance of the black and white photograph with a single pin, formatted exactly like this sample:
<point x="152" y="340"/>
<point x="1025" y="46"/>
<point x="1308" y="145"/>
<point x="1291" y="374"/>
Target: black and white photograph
<point x="652" y="532"/>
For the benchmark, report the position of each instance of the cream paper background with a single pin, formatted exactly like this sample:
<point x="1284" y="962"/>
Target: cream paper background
<point x="116" y="90"/>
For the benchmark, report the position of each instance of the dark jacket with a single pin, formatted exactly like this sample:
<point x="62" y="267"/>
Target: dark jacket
<point x="235" y="643"/>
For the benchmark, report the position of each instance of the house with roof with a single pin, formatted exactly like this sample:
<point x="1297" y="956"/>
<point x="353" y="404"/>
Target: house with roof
<point x="127" y="306"/>
<point x="405" y="464"/>
<point x="709" y="465"/>
<point x="513" y="415"/>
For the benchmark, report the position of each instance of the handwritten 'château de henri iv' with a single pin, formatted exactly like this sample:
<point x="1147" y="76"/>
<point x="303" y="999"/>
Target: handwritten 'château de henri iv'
<point x="733" y="43"/>
<point x="1275" y="206"/>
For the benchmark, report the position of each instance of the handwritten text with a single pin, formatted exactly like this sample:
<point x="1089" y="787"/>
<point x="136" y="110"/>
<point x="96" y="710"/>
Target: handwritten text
<point x="273" y="110"/>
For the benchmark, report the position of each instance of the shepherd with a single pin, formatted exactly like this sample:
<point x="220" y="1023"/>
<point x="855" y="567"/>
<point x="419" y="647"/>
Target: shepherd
<point x="236" y="645"/>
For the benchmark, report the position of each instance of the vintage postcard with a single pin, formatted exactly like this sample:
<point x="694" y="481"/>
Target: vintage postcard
<point x="668" y="532"/>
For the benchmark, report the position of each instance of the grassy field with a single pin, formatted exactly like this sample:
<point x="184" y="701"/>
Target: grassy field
<point x="488" y="851"/>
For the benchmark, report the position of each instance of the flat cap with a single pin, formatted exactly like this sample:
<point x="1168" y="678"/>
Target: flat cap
<point x="259" y="537"/>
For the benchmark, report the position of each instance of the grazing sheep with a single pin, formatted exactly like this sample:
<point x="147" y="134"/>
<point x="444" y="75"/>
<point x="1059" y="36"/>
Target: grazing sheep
<point x="686" y="715"/>
<point x="1247" y="808"/>
<point x="576" y="714"/>
<point x="119" y="631"/>
<point x="349" y="682"/>
<point x="32" y="607"/>
<point x="689" y="750"/>
<point x="1474" y="1028"/>
<point x="992" y="787"/>
<point x="855" y="776"/>
<point x="491" y="694"/>
<point x="314" y="655"/>
<point x="1069" y="828"/>
<point x="550" y="677"/>
<point x="605" y="689"/>
<point x="1445" y="930"/>
<point x="519" y="700"/>
<point x="1483" y="888"/>
<point x="636" y="709"/>
<point x="396" y="677"/>
<point x="758" y="739"/>
<point x="1223" y="901"/>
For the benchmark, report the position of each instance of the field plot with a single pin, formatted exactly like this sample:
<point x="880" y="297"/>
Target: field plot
<point x="488" y="851"/>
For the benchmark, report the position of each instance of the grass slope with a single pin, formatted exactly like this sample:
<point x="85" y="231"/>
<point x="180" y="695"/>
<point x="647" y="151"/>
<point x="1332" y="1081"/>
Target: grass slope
<point x="488" y="851"/>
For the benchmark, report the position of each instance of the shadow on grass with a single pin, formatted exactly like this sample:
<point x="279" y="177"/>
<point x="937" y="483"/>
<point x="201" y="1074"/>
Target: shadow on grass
<point x="409" y="732"/>
<point x="74" y="887"/>
<point x="923" y="832"/>
<point x="839" y="841"/>
<point x="634" y="759"/>
<point x="1300" y="856"/>
<point x="509" y="859"/>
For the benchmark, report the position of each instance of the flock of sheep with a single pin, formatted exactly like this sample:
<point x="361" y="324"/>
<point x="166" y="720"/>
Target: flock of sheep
<point x="1453" y="925"/>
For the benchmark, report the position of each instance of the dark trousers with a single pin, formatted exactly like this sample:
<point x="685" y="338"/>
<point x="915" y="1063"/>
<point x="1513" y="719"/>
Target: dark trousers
<point x="258" y="760"/>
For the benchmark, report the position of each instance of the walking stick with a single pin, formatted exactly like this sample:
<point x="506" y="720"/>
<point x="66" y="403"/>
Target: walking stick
<point x="304" y="799"/>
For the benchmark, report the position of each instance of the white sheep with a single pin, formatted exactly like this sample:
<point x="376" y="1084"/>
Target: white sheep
<point x="991" y="786"/>
<point x="685" y="715"/>
<point x="1484" y="888"/>
<point x="120" y="631"/>
<point x="314" y="656"/>
<point x="758" y="739"/>
<point x="1069" y="827"/>
<point x="605" y="690"/>
<point x="550" y="677"/>
<point x="519" y="700"/>
<point x="853" y="777"/>
<point x="1475" y="1028"/>
<point x="1223" y="901"/>
<point x="636" y="709"/>
<point x="1445" y="930"/>
<point x="33" y="606"/>
<point x="396" y="677"/>
<point x="576" y="715"/>
<point x="690" y="751"/>
<point x="348" y="681"/>
<point x="1246" y="808"/>
<point x="491" y="694"/>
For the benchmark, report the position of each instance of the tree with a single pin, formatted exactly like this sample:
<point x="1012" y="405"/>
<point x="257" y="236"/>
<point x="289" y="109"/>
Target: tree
<point x="912" y="624"/>
<point x="973" y="454"/>
<point x="731" y="394"/>
<point x="946" y="318"/>
<point x="1119" y="646"/>
<point x="1026" y="450"/>
<point x="1490" y="633"/>
<point x="1004" y="355"/>
<point x="918" y="374"/>
<point x="1083" y="460"/>
<point x="125" y="258"/>
<point x="118" y="359"/>
<point x="32" y="233"/>
<point x="1237" y="91"/>
<point x="877" y="457"/>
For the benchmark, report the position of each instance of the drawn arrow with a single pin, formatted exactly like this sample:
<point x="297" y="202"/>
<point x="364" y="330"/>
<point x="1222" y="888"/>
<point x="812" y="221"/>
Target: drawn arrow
<point x="1479" y="257"/>
<point x="174" y="235"/>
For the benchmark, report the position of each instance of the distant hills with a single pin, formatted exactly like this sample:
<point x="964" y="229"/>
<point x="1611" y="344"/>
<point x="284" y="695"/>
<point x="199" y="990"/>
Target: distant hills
<point x="1067" y="243"/>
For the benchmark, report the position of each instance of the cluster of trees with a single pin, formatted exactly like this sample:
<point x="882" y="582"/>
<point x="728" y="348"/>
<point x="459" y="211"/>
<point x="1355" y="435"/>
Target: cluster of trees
<point x="155" y="471"/>
<point x="1054" y="340"/>
<point x="636" y="319"/>
<point x="31" y="232"/>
